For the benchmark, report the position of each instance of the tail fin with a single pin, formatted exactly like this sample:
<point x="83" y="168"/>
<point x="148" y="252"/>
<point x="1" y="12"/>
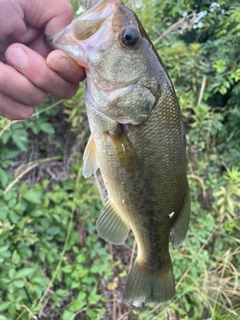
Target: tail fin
<point x="146" y="285"/>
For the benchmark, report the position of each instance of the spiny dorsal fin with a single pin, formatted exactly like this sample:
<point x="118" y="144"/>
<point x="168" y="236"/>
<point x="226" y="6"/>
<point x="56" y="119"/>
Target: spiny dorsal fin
<point x="180" y="225"/>
<point x="110" y="226"/>
<point x="90" y="164"/>
<point x="88" y="3"/>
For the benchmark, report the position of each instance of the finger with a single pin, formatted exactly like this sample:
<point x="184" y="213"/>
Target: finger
<point x="39" y="46"/>
<point x="14" y="110"/>
<point x="3" y="47"/>
<point x="58" y="61"/>
<point x="52" y="15"/>
<point x="26" y="37"/>
<point x="34" y="67"/>
<point x="17" y="87"/>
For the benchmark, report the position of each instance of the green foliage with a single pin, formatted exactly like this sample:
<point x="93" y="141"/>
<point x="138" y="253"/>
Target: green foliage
<point x="48" y="241"/>
<point x="40" y="232"/>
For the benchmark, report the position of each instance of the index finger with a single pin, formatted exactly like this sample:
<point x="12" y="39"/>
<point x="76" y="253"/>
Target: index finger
<point x="34" y="67"/>
<point x="60" y="62"/>
<point x="51" y="15"/>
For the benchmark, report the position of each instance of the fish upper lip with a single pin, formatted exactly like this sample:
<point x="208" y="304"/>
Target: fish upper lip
<point x="98" y="15"/>
<point x="49" y="39"/>
<point x="74" y="40"/>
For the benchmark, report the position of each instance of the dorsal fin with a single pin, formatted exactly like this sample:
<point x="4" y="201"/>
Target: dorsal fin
<point x="88" y="3"/>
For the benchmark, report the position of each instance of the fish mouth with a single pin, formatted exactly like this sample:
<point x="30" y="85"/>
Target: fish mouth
<point x="92" y="29"/>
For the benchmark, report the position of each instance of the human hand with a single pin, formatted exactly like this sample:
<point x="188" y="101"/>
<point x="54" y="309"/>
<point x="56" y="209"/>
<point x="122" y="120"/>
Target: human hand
<point x="28" y="70"/>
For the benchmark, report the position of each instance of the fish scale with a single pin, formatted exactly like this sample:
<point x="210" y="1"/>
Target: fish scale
<point x="137" y="141"/>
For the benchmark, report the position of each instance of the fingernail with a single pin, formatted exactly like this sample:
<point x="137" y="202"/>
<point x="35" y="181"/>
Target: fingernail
<point x="17" y="57"/>
<point x="61" y="65"/>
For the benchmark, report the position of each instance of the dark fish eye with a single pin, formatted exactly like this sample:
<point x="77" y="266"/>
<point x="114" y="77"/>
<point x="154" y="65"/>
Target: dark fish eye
<point x="130" y="36"/>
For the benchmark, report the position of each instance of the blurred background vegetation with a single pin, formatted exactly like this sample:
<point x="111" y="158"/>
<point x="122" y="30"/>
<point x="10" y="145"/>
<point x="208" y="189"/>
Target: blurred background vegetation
<point x="53" y="265"/>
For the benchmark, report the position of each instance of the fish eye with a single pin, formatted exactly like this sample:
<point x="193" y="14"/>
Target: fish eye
<point x="130" y="36"/>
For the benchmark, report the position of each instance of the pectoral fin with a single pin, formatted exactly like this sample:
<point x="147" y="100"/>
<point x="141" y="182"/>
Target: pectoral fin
<point x="180" y="224"/>
<point x="110" y="226"/>
<point x="90" y="164"/>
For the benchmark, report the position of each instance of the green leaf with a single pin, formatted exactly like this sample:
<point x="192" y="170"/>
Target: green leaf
<point x="77" y="305"/>
<point x="17" y="126"/>
<point x="81" y="296"/>
<point x="16" y="257"/>
<point x="3" y="178"/>
<point x="67" y="269"/>
<point x="12" y="310"/>
<point x="47" y="127"/>
<point x="20" y="138"/>
<point x="5" y="305"/>
<point x="53" y="230"/>
<point x="3" y="213"/>
<point x="11" y="154"/>
<point x="3" y="248"/>
<point x="6" y="136"/>
<point x="35" y="129"/>
<point x="42" y="256"/>
<point x="18" y="283"/>
<point x="12" y="203"/>
<point x="62" y="293"/>
<point x="13" y="216"/>
<point x="92" y="314"/>
<point x="36" y="213"/>
<point x="33" y="196"/>
<point x="23" y="273"/>
<point x="18" y="306"/>
<point x="67" y="315"/>
<point x="12" y="273"/>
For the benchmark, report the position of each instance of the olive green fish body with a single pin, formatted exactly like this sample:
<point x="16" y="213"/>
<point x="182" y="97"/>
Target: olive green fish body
<point x="137" y="141"/>
<point x="149" y="192"/>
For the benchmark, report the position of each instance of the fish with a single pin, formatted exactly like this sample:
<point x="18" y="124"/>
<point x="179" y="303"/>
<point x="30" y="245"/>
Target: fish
<point x="137" y="141"/>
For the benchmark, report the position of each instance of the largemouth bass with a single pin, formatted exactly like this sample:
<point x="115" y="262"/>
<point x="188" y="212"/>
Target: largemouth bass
<point x="137" y="140"/>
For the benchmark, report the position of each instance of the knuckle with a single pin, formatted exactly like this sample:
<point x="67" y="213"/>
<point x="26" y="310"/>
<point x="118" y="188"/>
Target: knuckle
<point x="69" y="92"/>
<point x="36" y="97"/>
<point x="41" y="98"/>
<point x="69" y="11"/>
<point x="2" y="80"/>
<point x="26" y="113"/>
<point x="22" y="113"/>
<point x="42" y="78"/>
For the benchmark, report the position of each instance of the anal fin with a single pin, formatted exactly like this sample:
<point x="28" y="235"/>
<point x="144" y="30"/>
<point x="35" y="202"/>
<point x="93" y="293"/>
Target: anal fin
<point x="110" y="226"/>
<point x="180" y="224"/>
<point x="90" y="164"/>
